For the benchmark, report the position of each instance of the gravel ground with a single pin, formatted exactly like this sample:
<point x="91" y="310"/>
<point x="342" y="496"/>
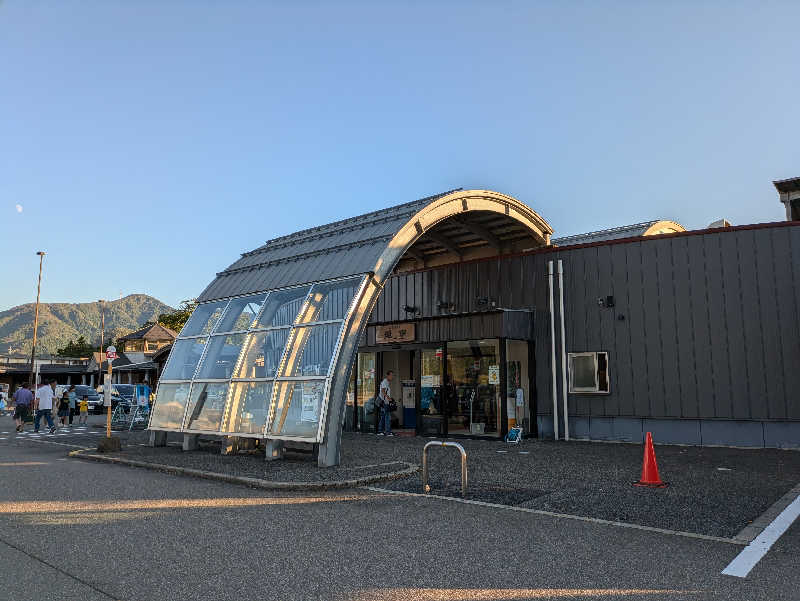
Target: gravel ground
<point x="297" y="466"/>
<point x="712" y="491"/>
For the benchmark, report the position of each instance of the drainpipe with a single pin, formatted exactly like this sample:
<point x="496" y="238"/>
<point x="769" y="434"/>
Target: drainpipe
<point x="563" y="349"/>
<point x="553" y="350"/>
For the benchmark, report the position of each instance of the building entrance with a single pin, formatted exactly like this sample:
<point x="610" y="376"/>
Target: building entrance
<point x="476" y="388"/>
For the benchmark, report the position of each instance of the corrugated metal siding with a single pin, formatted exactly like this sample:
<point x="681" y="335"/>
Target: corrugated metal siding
<point x="711" y="324"/>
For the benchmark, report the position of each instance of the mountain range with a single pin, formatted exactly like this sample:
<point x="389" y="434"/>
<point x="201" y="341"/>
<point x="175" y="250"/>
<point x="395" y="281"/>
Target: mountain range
<point x="61" y="322"/>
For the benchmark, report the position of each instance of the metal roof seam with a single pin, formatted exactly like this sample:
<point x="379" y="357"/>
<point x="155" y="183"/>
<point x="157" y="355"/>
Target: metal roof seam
<point x="360" y="218"/>
<point x="327" y="234"/>
<point x="309" y="254"/>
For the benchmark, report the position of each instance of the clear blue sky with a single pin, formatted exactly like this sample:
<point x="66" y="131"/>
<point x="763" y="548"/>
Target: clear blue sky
<point x="149" y="143"/>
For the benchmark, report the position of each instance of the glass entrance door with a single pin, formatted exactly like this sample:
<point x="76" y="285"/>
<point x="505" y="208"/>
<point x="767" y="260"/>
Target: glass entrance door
<point x="473" y="387"/>
<point x="365" y="391"/>
<point x="431" y="405"/>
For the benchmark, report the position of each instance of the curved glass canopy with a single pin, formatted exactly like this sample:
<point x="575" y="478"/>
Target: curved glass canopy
<point x="257" y="365"/>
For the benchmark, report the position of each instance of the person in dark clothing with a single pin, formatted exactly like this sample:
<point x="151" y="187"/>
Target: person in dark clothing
<point x="23" y="398"/>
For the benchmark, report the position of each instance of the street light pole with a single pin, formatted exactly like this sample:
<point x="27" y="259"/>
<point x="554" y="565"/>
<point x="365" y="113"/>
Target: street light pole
<point x="41" y="254"/>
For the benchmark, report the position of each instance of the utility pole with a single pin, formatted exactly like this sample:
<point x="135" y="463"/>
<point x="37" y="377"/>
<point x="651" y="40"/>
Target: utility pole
<point x="102" y="339"/>
<point x="41" y="254"/>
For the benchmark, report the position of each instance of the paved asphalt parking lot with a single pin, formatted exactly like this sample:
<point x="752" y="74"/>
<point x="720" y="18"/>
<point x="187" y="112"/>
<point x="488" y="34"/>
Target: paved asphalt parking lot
<point x="71" y="529"/>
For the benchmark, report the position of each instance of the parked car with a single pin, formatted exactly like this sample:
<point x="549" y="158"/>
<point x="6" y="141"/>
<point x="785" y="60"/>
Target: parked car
<point x="95" y="400"/>
<point x="121" y="394"/>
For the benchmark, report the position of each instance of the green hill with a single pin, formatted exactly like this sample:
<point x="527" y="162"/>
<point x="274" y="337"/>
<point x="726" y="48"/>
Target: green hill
<point x="61" y="322"/>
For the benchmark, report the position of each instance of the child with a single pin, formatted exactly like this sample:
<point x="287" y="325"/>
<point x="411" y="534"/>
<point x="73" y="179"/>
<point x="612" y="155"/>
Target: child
<point x="84" y="407"/>
<point x="63" y="408"/>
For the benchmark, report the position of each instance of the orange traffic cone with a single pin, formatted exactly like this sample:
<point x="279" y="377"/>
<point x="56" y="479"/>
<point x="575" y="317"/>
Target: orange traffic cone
<point x="650" y="475"/>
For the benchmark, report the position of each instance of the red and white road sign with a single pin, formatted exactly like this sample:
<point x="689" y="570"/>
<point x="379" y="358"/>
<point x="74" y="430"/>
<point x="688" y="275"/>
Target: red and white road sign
<point x="111" y="353"/>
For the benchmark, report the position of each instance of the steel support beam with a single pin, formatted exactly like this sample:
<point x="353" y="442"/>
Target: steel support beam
<point x="482" y="232"/>
<point x="444" y="242"/>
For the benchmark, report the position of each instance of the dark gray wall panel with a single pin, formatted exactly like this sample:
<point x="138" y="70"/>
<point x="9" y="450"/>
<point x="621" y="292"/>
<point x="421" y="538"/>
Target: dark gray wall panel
<point x="607" y="322"/>
<point x="734" y="328"/>
<point x="718" y="329"/>
<point x="771" y="330"/>
<point x="670" y="350"/>
<point x="620" y="359"/>
<point x="754" y="344"/>
<point x="698" y="294"/>
<point x="636" y="324"/>
<point x="791" y="279"/>
<point x="685" y="329"/>
<point x="652" y="333"/>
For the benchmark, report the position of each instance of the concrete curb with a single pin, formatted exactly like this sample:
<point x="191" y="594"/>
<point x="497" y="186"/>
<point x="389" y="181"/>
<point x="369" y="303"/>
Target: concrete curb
<point x="247" y="481"/>
<point x="756" y="527"/>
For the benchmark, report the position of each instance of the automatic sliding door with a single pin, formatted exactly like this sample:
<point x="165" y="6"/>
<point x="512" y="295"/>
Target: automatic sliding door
<point x="473" y="391"/>
<point x="431" y="405"/>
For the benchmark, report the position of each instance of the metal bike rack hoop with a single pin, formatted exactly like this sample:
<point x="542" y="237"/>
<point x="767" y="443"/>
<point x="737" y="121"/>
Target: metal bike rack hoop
<point x="437" y="443"/>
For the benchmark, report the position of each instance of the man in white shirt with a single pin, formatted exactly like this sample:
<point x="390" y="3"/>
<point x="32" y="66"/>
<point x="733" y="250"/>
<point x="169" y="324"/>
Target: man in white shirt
<point x="384" y="397"/>
<point x="44" y="406"/>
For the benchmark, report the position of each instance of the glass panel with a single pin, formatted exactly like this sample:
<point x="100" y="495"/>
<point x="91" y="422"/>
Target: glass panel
<point x="282" y="307"/>
<point x="203" y="319"/>
<point x="262" y="355"/>
<point x="220" y="359"/>
<point x="602" y="372"/>
<point x="169" y="405"/>
<point x="206" y="406"/>
<point x="248" y="408"/>
<point x="366" y="390"/>
<point x="517" y="385"/>
<point x="329" y="301"/>
<point x="183" y="359"/>
<point x="583" y="372"/>
<point x="310" y="349"/>
<point x="241" y="313"/>
<point x="350" y="402"/>
<point x="473" y="387"/>
<point x="297" y="408"/>
<point x="431" y="408"/>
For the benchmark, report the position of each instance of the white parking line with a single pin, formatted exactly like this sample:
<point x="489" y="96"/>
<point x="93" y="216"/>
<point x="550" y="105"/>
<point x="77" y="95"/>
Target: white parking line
<point x="553" y="514"/>
<point x="752" y="553"/>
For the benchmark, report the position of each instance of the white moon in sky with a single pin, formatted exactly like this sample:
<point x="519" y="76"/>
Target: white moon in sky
<point x="19" y="208"/>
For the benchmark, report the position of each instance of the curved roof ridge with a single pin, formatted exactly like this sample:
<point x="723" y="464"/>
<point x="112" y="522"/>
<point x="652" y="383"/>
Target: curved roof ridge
<point x="356" y="245"/>
<point x="632" y="230"/>
<point x="334" y="225"/>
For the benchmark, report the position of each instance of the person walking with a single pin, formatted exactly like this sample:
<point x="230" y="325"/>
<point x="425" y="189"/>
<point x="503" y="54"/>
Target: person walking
<point x="23" y="398"/>
<point x="63" y="408"/>
<point x="73" y="403"/>
<point x="384" y="399"/>
<point x="43" y="404"/>
<point x="84" y="408"/>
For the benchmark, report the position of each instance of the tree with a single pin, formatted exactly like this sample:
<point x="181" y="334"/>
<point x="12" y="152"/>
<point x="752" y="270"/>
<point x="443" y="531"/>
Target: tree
<point x="79" y="348"/>
<point x="178" y="318"/>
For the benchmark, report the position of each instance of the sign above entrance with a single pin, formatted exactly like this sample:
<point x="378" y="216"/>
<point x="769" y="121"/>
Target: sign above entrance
<point x="399" y="332"/>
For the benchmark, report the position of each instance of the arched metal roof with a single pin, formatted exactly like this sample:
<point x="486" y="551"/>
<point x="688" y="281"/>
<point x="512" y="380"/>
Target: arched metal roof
<point x="269" y="349"/>
<point x="354" y="246"/>
<point x="341" y="248"/>
<point x="647" y="228"/>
